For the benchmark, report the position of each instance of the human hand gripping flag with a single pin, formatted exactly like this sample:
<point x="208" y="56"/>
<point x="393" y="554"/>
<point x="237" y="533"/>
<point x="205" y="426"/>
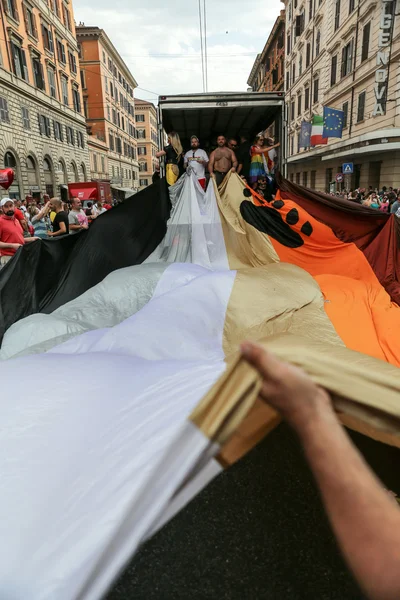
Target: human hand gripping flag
<point x="333" y="122"/>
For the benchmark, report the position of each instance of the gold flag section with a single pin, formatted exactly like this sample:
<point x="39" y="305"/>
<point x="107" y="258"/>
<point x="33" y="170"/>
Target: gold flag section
<point x="365" y="392"/>
<point x="277" y="298"/>
<point x="245" y="245"/>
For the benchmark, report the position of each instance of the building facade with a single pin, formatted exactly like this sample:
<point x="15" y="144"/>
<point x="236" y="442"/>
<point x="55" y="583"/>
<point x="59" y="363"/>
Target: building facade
<point x="42" y="125"/>
<point x="146" y="130"/>
<point x="267" y="74"/>
<point x="98" y="158"/>
<point x="108" y="99"/>
<point x="344" y="54"/>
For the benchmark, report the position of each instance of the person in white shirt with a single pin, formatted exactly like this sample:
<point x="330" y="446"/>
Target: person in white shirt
<point x="197" y="160"/>
<point x="98" y="209"/>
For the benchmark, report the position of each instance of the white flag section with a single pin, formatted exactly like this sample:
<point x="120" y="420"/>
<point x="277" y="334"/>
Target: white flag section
<point x="96" y="449"/>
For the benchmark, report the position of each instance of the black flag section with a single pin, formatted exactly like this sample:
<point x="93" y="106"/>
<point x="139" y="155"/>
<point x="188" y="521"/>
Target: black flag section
<point x="46" y="274"/>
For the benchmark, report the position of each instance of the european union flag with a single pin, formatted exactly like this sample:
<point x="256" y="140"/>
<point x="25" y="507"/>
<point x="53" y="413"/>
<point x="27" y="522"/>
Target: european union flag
<point x="333" y="122"/>
<point x="305" y="135"/>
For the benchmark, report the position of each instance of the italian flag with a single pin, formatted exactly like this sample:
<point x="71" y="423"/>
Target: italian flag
<point x="316" y="131"/>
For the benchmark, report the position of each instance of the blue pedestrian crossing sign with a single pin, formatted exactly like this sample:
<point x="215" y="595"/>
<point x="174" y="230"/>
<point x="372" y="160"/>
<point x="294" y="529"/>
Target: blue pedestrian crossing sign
<point x="347" y="168"/>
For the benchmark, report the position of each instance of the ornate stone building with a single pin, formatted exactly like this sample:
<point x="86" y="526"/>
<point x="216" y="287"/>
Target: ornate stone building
<point x="344" y="54"/>
<point x="146" y="129"/>
<point x="42" y="125"/>
<point x="108" y="97"/>
<point x="267" y="74"/>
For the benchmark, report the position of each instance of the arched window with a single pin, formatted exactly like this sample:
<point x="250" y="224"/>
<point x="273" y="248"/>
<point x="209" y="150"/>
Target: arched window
<point x="32" y="174"/>
<point x="142" y="166"/>
<point x="30" y="163"/>
<point x="74" y="171"/>
<point x="48" y="176"/>
<point x="9" y="161"/>
<point x="83" y="171"/>
<point x="62" y="173"/>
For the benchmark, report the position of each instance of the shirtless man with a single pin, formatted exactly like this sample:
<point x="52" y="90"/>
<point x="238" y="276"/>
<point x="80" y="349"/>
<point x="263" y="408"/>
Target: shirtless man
<point x="222" y="160"/>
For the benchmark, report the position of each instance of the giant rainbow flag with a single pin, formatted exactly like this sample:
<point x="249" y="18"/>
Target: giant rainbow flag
<point x="123" y="393"/>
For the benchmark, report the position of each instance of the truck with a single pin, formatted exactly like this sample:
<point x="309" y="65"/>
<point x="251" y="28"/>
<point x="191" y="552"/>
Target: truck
<point x="90" y="191"/>
<point x="232" y="114"/>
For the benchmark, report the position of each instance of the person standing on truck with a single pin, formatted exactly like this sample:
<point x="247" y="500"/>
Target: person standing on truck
<point x="243" y="155"/>
<point x="197" y="160"/>
<point x="173" y="157"/>
<point x="259" y="158"/>
<point x="222" y="160"/>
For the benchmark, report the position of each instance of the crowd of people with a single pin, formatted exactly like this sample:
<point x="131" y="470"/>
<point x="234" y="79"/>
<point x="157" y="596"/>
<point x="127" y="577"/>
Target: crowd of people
<point x="254" y="161"/>
<point x="24" y="221"/>
<point x="386" y="200"/>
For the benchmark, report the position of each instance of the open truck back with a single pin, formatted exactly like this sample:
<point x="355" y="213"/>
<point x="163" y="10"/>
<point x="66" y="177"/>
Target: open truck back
<point x="228" y="113"/>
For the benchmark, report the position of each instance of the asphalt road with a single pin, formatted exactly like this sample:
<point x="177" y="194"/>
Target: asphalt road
<point x="257" y="532"/>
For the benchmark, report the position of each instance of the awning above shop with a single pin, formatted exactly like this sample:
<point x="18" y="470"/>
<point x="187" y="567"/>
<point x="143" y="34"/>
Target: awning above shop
<point x="127" y="191"/>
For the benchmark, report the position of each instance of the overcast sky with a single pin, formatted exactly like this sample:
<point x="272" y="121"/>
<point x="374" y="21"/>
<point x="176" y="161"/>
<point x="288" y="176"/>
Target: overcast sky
<point x="159" y="40"/>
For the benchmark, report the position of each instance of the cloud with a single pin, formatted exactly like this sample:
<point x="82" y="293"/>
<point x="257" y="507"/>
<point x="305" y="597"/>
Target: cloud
<point x="161" y="44"/>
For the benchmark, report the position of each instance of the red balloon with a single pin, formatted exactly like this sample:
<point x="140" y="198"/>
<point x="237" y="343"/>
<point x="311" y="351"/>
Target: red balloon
<point x="6" y="178"/>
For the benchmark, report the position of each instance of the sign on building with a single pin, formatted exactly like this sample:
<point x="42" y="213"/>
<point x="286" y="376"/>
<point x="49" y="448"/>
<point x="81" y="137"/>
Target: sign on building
<point x="348" y="168"/>
<point x="339" y="177"/>
<point x="383" y="57"/>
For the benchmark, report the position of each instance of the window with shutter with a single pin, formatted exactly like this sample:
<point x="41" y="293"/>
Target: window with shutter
<point x="306" y="98"/>
<point x="51" y="76"/>
<point x="316" y="91"/>
<point x="25" y="118"/>
<point x="61" y="52"/>
<point x="361" y="107"/>
<point x="10" y="8"/>
<point x="76" y="99"/>
<point x="44" y="125"/>
<point x="333" y="69"/>
<point x="4" y="114"/>
<point x="298" y="26"/>
<point x="347" y="59"/>
<point x="318" y="42"/>
<point x="16" y="55"/>
<point x="365" y="41"/>
<point x="38" y="72"/>
<point x="337" y="15"/>
<point x="298" y="105"/>
<point x="64" y="89"/>
<point x="345" y="109"/>
<point x="308" y="54"/>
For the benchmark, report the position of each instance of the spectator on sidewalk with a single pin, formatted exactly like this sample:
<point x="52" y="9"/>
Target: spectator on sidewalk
<point x="11" y="232"/>
<point x="98" y="209"/>
<point x="40" y="219"/>
<point x="60" y="222"/>
<point x="77" y="218"/>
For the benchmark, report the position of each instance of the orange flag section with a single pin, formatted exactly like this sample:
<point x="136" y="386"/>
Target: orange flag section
<point x="357" y="304"/>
